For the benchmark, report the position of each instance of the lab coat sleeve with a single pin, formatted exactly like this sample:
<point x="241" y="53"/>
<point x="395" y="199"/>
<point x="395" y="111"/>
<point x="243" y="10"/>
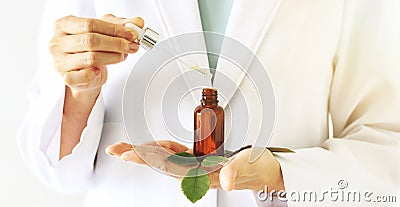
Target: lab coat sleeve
<point x="39" y="133"/>
<point x="365" y="109"/>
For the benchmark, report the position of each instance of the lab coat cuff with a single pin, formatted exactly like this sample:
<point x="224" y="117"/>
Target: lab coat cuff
<point x="89" y="139"/>
<point x="302" y="173"/>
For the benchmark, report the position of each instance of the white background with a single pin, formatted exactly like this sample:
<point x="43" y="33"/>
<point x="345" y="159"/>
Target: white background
<point x="20" y="21"/>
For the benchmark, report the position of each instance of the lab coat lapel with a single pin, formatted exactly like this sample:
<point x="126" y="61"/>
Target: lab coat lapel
<point x="249" y="23"/>
<point x="181" y="17"/>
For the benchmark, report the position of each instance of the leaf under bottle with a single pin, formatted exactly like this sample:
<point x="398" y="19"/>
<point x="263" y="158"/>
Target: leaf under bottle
<point x="195" y="184"/>
<point x="183" y="158"/>
<point x="213" y="160"/>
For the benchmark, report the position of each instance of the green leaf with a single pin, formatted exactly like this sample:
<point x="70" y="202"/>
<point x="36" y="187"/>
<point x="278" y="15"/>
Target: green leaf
<point x="183" y="158"/>
<point x="213" y="160"/>
<point x="184" y="154"/>
<point x="195" y="184"/>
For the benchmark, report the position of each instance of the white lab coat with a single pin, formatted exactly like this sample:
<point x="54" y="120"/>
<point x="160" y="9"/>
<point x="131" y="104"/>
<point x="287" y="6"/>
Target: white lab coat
<point x="324" y="57"/>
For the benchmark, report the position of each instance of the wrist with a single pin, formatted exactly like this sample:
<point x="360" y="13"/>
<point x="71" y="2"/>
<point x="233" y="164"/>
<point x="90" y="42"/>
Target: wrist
<point x="83" y="96"/>
<point x="80" y="101"/>
<point x="279" y="184"/>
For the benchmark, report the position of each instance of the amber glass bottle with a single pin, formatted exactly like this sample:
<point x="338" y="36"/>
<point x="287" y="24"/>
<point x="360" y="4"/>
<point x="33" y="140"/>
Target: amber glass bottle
<point x="209" y="125"/>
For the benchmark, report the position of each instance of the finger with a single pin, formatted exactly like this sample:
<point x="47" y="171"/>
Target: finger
<point x="132" y="156"/>
<point x="118" y="149"/>
<point x="93" y="42"/>
<point x="122" y="21"/>
<point x="76" y="25"/>
<point x="156" y="157"/>
<point x="228" y="175"/>
<point x="214" y="180"/>
<point x="143" y="154"/>
<point x="80" y="77"/>
<point x="84" y="60"/>
<point x="113" y="19"/>
<point x="138" y="21"/>
<point x="150" y="153"/>
<point x="147" y="154"/>
<point x="174" y="146"/>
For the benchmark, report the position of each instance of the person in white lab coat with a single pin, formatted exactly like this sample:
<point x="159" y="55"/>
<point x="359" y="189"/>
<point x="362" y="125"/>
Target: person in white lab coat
<point x="337" y="58"/>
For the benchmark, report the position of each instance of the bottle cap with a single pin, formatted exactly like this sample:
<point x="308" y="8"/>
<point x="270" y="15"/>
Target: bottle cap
<point x="147" y="37"/>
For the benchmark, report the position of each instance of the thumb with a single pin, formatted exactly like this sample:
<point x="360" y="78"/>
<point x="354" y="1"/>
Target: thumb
<point x="228" y="175"/>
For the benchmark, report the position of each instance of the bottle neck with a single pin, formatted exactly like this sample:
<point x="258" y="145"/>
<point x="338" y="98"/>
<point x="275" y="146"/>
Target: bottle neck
<point x="209" y="97"/>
